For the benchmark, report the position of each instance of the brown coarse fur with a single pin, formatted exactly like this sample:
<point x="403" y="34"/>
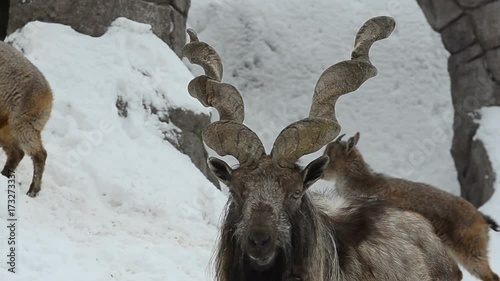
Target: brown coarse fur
<point x="461" y="227"/>
<point x="25" y="106"/>
<point x="274" y="229"/>
<point x="319" y="236"/>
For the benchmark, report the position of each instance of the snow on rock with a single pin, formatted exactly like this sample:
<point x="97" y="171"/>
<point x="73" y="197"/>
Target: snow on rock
<point x="489" y="133"/>
<point x="117" y="201"/>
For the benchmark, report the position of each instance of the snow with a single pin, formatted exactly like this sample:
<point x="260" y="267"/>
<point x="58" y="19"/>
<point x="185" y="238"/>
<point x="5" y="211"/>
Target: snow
<point x="117" y="201"/>
<point x="120" y="203"/>
<point x="489" y="133"/>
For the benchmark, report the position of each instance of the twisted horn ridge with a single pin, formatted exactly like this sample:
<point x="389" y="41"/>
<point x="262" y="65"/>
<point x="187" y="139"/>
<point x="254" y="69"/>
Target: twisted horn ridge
<point x="228" y="136"/>
<point x="321" y="127"/>
<point x="204" y="55"/>
<point x="221" y="96"/>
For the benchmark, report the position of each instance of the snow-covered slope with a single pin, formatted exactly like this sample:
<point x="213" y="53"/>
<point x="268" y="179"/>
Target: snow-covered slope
<point x="117" y="202"/>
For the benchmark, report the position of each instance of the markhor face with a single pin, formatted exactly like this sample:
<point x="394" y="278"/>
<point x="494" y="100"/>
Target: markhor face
<point x="265" y="201"/>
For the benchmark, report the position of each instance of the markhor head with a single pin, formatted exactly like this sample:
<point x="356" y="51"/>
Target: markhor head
<point x="268" y="191"/>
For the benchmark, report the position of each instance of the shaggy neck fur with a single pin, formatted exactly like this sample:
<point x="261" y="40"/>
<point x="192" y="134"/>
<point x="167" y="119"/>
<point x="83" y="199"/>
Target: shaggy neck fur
<point x="310" y="255"/>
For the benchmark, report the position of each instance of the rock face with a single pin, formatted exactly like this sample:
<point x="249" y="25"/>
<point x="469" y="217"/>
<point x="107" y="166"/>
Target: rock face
<point x="187" y="139"/>
<point x="93" y="17"/>
<point x="470" y="30"/>
<point x="190" y="141"/>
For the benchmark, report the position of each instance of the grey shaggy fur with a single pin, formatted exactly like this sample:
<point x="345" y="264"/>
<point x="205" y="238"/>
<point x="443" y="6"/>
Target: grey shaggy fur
<point x="321" y="237"/>
<point x="461" y="227"/>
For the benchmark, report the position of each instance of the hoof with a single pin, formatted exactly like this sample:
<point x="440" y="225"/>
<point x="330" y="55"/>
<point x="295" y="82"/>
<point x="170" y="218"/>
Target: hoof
<point x="32" y="192"/>
<point x="6" y="173"/>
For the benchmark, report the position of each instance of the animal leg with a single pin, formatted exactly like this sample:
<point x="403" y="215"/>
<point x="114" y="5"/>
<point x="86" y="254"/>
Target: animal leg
<point x="30" y="140"/>
<point x="14" y="153"/>
<point x="480" y="268"/>
<point x="39" y="157"/>
<point x="14" y="156"/>
<point x="476" y="264"/>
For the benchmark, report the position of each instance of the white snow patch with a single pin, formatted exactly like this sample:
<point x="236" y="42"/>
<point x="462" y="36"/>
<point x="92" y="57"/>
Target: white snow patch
<point x="117" y="201"/>
<point x="489" y="133"/>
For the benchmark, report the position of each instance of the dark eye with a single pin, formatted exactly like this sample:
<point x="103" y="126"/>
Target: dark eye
<point x="297" y="194"/>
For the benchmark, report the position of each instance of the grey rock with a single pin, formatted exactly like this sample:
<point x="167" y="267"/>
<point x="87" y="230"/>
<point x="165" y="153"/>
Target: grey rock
<point x="493" y="59"/>
<point x="471" y="53"/>
<point x="487" y="22"/>
<point x="472" y="3"/>
<point x="160" y="2"/>
<point x="178" y="34"/>
<point x="440" y="13"/>
<point x="479" y="178"/>
<point x="181" y="6"/>
<point x="190" y="142"/>
<point x="497" y="95"/>
<point x="88" y="17"/>
<point x="187" y="139"/>
<point x="458" y="35"/>
<point x="464" y="130"/>
<point x="122" y="106"/>
<point x="93" y="17"/>
<point x="155" y="15"/>
<point x="472" y="87"/>
<point x="471" y="32"/>
<point x="475" y="172"/>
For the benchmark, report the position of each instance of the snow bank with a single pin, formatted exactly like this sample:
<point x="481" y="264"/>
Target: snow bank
<point x="117" y="201"/>
<point x="489" y="133"/>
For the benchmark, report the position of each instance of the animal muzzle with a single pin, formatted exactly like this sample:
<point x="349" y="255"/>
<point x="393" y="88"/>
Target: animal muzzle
<point x="261" y="248"/>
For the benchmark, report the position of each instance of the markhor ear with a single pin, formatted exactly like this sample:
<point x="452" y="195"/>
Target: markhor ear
<point x="314" y="171"/>
<point x="220" y="169"/>
<point x="351" y="143"/>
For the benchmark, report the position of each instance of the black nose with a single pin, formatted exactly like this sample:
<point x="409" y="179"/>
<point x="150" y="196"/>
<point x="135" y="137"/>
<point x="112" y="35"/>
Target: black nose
<point x="259" y="239"/>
